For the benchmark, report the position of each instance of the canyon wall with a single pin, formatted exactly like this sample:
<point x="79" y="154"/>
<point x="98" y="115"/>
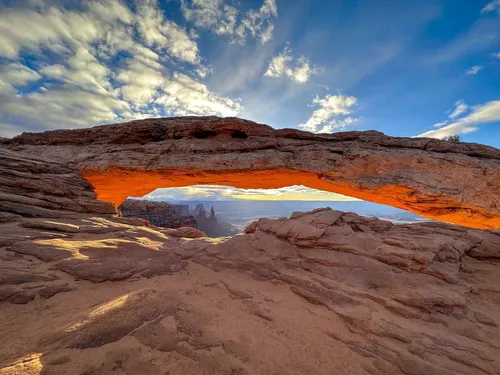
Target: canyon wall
<point x="161" y="214"/>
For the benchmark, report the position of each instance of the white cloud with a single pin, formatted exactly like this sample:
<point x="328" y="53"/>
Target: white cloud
<point x="98" y="63"/>
<point x="297" y="69"/>
<point x="185" y="96"/>
<point x="485" y="113"/>
<point x="332" y="113"/>
<point x="16" y="74"/>
<point x="440" y="124"/>
<point x="208" y="14"/>
<point x="496" y="55"/>
<point x="474" y="70"/>
<point x="223" y="19"/>
<point x="460" y="108"/>
<point x="164" y="33"/>
<point x="64" y="107"/>
<point x="490" y="7"/>
<point x="141" y="82"/>
<point x="215" y="192"/>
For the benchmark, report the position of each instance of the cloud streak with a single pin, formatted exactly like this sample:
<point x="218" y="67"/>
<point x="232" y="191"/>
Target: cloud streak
<point x="481" y="114"/>
<point x="474" y="70"/>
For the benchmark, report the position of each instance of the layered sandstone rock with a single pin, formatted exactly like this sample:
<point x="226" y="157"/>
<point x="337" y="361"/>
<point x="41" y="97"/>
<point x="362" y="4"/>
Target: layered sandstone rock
<point x="320" y="292"/>
<point x="454" y="182"/>
<point x="161" y="214"/>
<point x="31" y="186"/>
<point x="83" y="291"/>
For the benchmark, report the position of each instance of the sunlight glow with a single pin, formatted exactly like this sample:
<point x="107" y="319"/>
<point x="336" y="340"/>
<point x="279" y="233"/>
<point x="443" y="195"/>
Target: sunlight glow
<point x="27" y="365"/>
<point x="112" y="305"/>
<point x="216" y="192"/>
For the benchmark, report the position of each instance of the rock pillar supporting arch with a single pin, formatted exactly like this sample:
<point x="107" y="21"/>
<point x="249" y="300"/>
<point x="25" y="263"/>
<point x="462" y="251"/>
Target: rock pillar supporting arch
<point x="458" y="183"/>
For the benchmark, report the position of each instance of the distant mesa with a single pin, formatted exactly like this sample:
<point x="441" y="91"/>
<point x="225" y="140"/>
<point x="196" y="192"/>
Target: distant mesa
<point x="210" y="225"/>
<point x="161" y="214"/>
<point x="166" y="215"/>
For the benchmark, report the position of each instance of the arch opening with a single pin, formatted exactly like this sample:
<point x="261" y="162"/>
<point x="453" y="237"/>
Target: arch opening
<point x="222" y="211"/>
<point x="115" y="185"/>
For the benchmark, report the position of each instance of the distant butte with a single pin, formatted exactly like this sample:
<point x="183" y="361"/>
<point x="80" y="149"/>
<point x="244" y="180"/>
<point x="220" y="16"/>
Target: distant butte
<point x="452" y="182"/>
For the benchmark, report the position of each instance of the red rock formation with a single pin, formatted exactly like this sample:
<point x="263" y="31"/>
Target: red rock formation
<point x="209" y="224"/>
<point x="322" y="292"/>
<point x="161" y="214"/>
<point x="451" y="182"/>
<point x="31" y="186"/>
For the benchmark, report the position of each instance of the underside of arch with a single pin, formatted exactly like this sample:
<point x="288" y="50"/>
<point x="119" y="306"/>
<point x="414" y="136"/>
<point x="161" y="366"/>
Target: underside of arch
<point x="116" y="185"/>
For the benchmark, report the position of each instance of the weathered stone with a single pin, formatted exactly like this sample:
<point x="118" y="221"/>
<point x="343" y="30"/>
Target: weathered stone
<point x="453" y="182"/>
<point x="320" y="292"/>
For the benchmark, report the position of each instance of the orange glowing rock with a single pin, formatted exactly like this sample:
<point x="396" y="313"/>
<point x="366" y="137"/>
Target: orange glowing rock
<point x="457" y="183"/>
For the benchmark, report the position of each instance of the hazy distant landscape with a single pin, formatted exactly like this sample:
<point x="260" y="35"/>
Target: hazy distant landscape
<point x="240" y="213"/>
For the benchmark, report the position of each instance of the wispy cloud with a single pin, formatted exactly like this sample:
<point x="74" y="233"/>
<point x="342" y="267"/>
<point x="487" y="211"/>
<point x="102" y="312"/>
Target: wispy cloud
<point x="332" y="114"/>
<point x="481" y="114"/>
<point x="460" y="108"/>
<point x="480" y="37"/>
<point x="297" y="69"/>
<point x="474" y="70"/>
<point x="491" y="7"/>
<point x="183" y="95"/>
<point x="100" y="62"/>
<point x="223" y="19"/>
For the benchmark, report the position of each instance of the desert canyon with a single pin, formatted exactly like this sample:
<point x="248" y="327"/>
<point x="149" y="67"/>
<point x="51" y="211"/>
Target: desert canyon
<point x="86" y="291"/>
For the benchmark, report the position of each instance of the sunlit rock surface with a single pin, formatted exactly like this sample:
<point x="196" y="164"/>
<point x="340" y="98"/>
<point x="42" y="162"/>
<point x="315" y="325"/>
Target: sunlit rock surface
<point x="453" y="182"/>
<point x="83" y="291"/>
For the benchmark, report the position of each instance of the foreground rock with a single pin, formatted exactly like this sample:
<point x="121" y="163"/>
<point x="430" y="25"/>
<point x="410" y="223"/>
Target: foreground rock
<point x="161" y="214"/>
<point x="320" y="292"/>
<point x="83" y="291"/>
<point x="453" y="182"/>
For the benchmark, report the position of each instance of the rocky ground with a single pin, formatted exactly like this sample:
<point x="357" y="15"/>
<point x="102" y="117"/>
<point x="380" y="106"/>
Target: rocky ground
<point x="321" y="292"/>
<point x="85" y="292"/>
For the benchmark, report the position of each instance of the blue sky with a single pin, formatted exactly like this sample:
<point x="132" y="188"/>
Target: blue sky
<point x="406" y="68"/>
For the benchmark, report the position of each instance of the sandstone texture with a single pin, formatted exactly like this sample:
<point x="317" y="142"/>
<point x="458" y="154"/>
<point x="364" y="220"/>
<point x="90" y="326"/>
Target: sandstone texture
<point x="209" y="225"/>
<point x="453" y="182"/>
<point x="320" y="292"/>
<point x="161" y="214"/>
<point x="85" y="291"/>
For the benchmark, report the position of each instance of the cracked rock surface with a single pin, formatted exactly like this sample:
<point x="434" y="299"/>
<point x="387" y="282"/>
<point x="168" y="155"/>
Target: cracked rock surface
<point x="83" y="291"/>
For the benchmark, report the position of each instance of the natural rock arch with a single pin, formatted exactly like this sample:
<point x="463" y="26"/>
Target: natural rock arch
<point x="458" y="183"/>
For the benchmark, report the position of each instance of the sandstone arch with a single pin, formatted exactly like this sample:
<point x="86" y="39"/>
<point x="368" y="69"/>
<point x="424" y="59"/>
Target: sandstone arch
<point x="458" y="183"/>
